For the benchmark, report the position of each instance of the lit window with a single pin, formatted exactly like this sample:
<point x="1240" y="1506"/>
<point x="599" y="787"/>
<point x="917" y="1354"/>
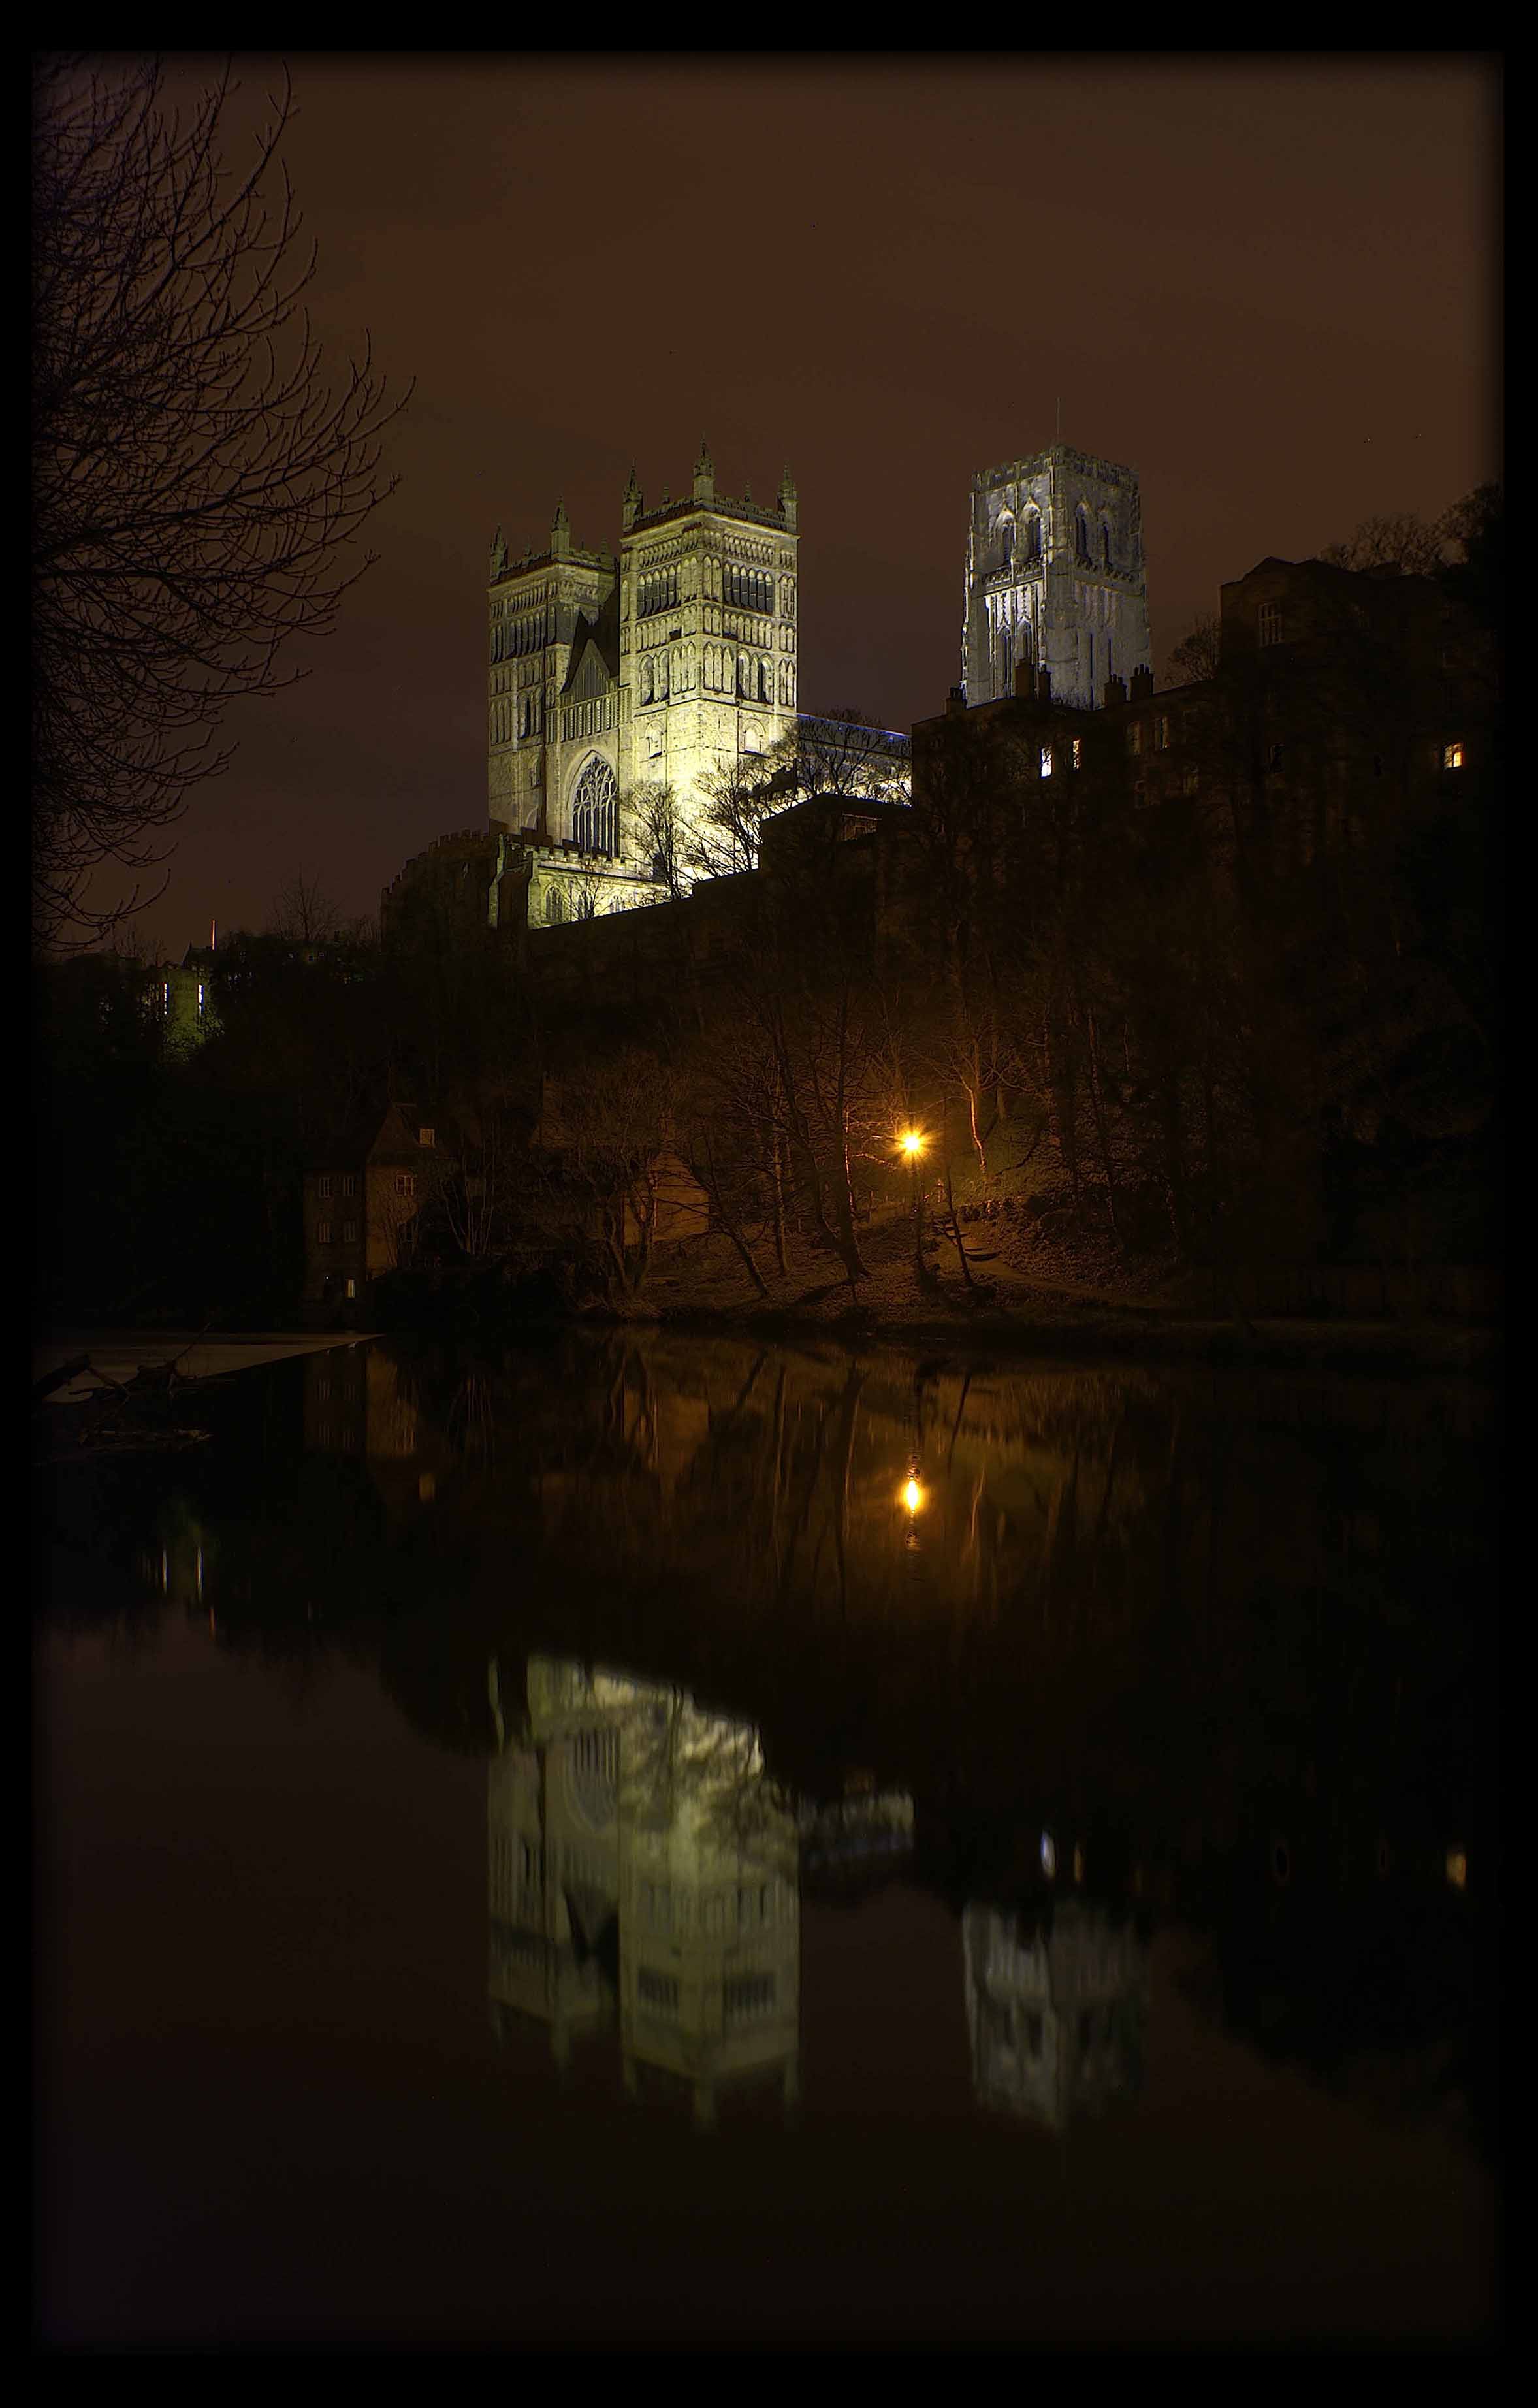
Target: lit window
<point x="1076" y="752"/>
<point x="200" y="998"/>
<point x="352" y="1287"/>
<point x="1452" y="756"/>
<point x="1161" y="735"/>
<point x="426" y="1137"/>
<point x="1047" y="760"/>
<point x="1271" y="623"/>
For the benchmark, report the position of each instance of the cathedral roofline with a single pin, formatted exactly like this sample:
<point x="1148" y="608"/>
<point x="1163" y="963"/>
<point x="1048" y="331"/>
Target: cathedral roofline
<point x="575" y="558"/>
<point x="1033" y="462"/>
<point x="723" y="507"/>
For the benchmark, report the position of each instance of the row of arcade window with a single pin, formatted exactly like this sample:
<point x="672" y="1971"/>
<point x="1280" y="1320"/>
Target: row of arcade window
<point x="510" y="638"/>
<point x="657" y="592"/>
<point x="1027" y="549"/>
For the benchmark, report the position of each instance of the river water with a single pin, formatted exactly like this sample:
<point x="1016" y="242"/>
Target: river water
<point x="648" y="1840"/>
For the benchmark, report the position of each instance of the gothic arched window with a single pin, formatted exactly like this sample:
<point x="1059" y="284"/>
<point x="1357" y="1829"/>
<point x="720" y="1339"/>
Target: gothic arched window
<point x="1033" y="534"/>
<point x="1105" y="544"/>
<point x="594" y="811"/>
<point x="1006" y="543"/>
<point x="554" y="905"/>
<point x="1081" y="535"/>
<point x="646" y="686"/>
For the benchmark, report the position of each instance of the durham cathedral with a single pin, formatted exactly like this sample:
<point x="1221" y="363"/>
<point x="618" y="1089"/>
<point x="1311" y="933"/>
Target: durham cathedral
<point x="664" y="664"/>
<point x="673" y="661"/>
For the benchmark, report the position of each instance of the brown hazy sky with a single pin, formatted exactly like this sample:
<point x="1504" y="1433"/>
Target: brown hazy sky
<point x="1270" y="285"/>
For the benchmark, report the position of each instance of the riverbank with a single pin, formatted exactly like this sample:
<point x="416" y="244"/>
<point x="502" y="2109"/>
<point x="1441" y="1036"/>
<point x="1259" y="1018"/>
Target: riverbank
<point x="1006" y="1309"/>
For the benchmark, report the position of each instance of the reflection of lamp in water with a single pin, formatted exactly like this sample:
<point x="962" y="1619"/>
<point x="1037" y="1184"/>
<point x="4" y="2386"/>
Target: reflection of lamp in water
<point x="1049" y="1854"/>
<point x="1458" y="1868"/>
<point x="912" y="1497"/>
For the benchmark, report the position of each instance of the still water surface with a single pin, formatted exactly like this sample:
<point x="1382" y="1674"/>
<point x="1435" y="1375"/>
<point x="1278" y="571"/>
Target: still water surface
<point x="654" y="1839"/>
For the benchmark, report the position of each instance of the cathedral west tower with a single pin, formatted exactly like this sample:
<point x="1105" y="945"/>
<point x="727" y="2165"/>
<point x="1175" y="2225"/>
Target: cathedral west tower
<point x="660" y="665"/>
<point x="1054" y="577"/>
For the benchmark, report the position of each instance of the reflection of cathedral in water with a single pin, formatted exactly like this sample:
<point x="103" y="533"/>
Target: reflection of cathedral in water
<point x="643" y="1874"/>
<point x="1057" y="2007"/>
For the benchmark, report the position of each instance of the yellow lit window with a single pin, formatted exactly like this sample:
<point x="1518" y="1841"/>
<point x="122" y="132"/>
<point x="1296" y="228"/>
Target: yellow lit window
<point x="1077" y="752"/>
<point x="1452" y="756"/>
<point x="1047" y="760"/>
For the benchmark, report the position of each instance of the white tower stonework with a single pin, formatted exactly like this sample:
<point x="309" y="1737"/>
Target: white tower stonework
<point x="1054" y="577"/>
<point x="657" y="665"/>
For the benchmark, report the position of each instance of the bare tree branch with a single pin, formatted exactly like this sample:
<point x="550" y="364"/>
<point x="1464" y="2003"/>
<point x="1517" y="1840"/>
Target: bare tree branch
<point x="197" y="475"/>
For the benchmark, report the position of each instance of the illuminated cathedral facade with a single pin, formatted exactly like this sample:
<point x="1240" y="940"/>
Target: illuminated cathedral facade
<point x="662" y="663"/>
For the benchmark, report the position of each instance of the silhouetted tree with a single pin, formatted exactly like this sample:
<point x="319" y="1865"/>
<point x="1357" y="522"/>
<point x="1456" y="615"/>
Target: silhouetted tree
<point x="195" y="476"/>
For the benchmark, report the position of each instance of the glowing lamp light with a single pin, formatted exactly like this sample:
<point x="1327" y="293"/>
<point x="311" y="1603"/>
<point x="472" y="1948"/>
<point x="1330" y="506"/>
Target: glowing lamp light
<point x="1458" y="1868"/>
<point x="1049" y="1854"/>
<point x="912" y="1142"/>
<point x="912" y="1496"/>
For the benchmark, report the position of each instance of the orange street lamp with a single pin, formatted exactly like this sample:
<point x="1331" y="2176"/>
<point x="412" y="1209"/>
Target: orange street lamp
<point x="912" y="1496"/>
<point x="912" y="1142"/>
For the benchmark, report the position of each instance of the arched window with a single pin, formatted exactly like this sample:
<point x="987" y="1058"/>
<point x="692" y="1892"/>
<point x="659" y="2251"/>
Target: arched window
<point x="554" y="905"/>
<point x="1033" y="534"/>
<point x="1105" y="545"/>
<point x="594" y="813"/>
<point x="647" y="688"/>
<point x="742" y="688"/>
<point x="1081" y="535"/>
<point x="764" y="694"/>
<point x="1006" y="543"/>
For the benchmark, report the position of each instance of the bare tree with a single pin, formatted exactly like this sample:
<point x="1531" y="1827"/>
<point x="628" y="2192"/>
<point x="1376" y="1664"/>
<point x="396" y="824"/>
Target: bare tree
<point x="196" y="476"/>
<point x="652" y="829"/>
<point x="843" y="753"/>
<point x="304" y="913"/>
<point x="723" y="835"/>
<point x="1399" y="540"/>
<point x="1198" y="653"/>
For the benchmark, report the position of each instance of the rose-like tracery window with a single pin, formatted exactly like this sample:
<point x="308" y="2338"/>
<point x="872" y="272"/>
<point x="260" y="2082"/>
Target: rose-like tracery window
<point x="593" y="809"/>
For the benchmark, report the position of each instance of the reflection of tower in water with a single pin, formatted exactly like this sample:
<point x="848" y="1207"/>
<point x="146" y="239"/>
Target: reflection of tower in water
<point x="643" y="1874"/>
<point x="1057" y="2007"/>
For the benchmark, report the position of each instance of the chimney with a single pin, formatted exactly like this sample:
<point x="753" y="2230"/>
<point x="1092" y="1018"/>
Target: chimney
<point x="955" y="701"/>
<point x="1142" y="685"/>
<point x="1044" y="685"/>
<point x="1025" y="681"/>
<point x="1116" y="691"/>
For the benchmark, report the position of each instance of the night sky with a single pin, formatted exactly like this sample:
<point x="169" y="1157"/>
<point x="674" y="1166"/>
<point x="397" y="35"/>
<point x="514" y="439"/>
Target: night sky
<point x="1269" y="286"/>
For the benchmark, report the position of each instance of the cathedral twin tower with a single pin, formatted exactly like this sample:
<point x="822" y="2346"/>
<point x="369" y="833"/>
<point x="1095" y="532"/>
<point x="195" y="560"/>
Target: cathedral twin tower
<point x="663" y="666"/>
<point x="669" y="661"/>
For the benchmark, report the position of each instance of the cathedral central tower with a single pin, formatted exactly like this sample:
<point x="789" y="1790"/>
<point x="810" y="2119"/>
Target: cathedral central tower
<point x="1054" y="577"/>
